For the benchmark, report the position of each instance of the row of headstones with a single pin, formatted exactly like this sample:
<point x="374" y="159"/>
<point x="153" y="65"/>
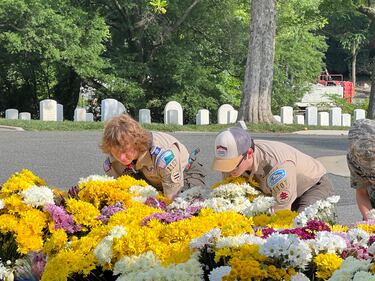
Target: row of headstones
<point x="50" y="110"/>
<point x="334" y="117"/>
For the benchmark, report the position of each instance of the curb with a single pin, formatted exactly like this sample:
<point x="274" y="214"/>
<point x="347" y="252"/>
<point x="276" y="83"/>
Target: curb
<point x="9" y="128"/>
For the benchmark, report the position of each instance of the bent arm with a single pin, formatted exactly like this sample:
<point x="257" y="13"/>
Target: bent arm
<point x="363" y="202"/>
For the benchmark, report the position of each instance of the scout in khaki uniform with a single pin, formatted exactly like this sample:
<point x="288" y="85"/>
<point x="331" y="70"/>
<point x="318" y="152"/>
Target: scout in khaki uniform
<point x="157" y="157"/>
<point x="293" y="178"/>
<point x="361" y="163"/>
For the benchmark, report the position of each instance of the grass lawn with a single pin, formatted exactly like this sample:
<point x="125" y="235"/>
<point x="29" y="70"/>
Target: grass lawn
<point x="37" y="125"/>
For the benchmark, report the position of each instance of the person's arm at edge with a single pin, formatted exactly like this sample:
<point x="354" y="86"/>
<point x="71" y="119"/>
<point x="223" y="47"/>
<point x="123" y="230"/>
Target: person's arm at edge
<point x="363" y="201"/>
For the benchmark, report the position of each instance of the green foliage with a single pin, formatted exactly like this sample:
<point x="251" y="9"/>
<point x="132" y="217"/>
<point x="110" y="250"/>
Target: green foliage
<point x="299" y="50"/>
<point x="345" y="106"/>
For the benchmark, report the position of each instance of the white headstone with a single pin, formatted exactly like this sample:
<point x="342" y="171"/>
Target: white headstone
<point x="232" y="116"/>
<point x="202" y="117"/>
<point x="60" y="112"/>
<point x="335" y="116"/>
<point x="346" y="120"/>
<point x="323" y="119"/>
<point x="311" y="116"/>
<point x="286" y="113"/>
<point x="222" y="113"/>
<point x="48" y="110"/>
<point x="359" y="114"/>
<point x="89" y="117"/>
<point x="277" y="117"/>
<point x="109" y="109"/>
<point x="144" y="116"/>
<point x="11" y="113"/>
<point x="299" y="119"/>
<point x="173" y="105"/>
<point x="24" y="116"/>
<point x="121" y="108"/>
<point x="172" y="117"/>
<point x="242" y="124"/>
<point x="80" y="114"/>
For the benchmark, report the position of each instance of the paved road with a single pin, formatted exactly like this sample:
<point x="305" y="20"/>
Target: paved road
<point x="61" y="158"/>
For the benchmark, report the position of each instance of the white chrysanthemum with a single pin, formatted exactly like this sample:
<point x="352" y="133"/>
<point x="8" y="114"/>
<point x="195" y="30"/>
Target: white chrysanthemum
<point x="239" y="240"/>
<point x="220" y="204"/>
<point x="206" y="239"/>
<point x="261" y="204"/>
<point x="218" y="273"/>
<point x="190" y="271"/>
<point x="299" y="277"/>
<point x="358" y="237"/>
<point x="320" y="210"/>
<point x="3" y="271"/>
<point x="144" y="191"/>
<point x="95" y="178"/>
<point x="232" y="190"/>
<point x="327" y="242"/>
<point x="136" y="264"/>
<point x="371" y="249"/>
<point x="371" y="214"/>
<point x="2" y="204"/>
<point x="103" y="251"/>
<point x="287" y="247"/>
<point x="37" y="196"/>
<point x="363" y="276"/>
<point x="348" y="268"/>
<point x="181" y="204"/>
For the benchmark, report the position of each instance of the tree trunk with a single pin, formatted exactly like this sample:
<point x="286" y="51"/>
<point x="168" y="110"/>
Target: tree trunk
<point x="371" y="104"/>
<point x="354" y="66"/>
<point x="256" y="97"/>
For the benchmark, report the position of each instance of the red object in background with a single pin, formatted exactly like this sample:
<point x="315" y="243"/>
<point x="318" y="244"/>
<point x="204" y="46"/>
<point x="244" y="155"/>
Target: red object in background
<point x="335" y="80"/>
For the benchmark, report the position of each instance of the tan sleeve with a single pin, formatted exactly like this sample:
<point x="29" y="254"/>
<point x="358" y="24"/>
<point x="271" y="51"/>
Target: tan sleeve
<point x="170" y="171"/>
<point x="112" y="167"/>
<point x="282" y="181"/>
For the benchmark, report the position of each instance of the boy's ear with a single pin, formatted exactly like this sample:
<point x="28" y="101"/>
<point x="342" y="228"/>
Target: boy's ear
<point x="250" y="152"/>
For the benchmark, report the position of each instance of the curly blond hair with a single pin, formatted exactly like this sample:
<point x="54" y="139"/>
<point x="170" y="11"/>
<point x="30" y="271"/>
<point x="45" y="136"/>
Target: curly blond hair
<point x="122" y="131"/>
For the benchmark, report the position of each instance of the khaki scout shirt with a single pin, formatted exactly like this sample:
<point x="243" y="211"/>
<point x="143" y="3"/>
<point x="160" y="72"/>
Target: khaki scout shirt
<point x="283" y="171"/>
<point x="163" y="165"/>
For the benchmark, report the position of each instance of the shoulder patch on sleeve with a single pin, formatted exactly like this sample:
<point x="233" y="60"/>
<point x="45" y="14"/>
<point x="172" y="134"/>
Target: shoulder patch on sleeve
<point x="165" y="159"/>
<point x="155" y="150"/>
<point x="275" y="177"/>
<point x="107" y="165"/>
<point x="176" y="176"/>
<point x="283" y="196"/>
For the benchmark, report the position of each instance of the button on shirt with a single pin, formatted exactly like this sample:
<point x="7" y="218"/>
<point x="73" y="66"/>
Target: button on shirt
<point x="283" y="171"/>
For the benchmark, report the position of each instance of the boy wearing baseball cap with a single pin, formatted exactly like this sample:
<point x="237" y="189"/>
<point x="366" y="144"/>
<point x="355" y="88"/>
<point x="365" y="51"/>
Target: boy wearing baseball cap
<point x="293" y="178"/>
<point x="361" y="163"/>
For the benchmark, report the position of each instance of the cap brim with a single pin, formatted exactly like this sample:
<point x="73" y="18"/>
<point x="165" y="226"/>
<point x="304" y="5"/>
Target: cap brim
<point x="226" y="165"/>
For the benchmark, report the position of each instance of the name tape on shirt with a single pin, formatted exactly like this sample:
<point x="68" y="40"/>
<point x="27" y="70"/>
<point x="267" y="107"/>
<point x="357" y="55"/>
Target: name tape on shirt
<point x="165" y="159"/>
<point x="276" y="177"/>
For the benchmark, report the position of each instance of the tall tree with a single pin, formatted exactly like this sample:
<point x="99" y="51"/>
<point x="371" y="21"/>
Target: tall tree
<point x="370" y="12"/>
<point x="256" y="98"/>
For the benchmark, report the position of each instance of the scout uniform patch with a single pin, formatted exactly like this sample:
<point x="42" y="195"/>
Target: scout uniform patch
<point x="155" y="150"/>
<point x="281" y="191"/>
<point x="276" y="177"/>
<point x="165" y="159"/>
<point x="107" y="165"/>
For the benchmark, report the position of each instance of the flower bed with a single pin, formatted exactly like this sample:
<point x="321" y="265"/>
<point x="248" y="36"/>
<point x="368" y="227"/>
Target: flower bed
<point x="123" y="229"/>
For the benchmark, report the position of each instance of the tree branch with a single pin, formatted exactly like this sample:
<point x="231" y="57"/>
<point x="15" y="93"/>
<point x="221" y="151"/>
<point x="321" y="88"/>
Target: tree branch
<point x="370" y="12"/>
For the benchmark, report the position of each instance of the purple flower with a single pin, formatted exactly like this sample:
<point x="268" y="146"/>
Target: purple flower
<point x="302" y="233"/>
<point x="155" y="203"/>
<point x="166" y="217"/>
<point x="38" y="263"/>
<point x="267" y="232"/>
<point x="316" y="225"/>
<point x="371" y="239"/>
<point x="108" y="211"/>
<point x="358" y="252"/>
<point x="62" y="219"/>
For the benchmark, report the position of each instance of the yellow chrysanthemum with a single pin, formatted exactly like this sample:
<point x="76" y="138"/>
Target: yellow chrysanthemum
<point x="368" y="228"/>
<point x="21" y="181"/>
<point x="8" y="223"/>
<point x="236" y="180"/>
<point x="339" y="228"/>
<point x="83" y="213"/>
<point x="326" y="264"/>
<point x="56" y="242"/>
<point x="372" y="268"/>
<point x="15" y="205"/>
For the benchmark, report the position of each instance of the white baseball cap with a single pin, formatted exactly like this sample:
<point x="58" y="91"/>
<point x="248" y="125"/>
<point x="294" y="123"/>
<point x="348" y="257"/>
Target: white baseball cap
<point x="230" y="147"/>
